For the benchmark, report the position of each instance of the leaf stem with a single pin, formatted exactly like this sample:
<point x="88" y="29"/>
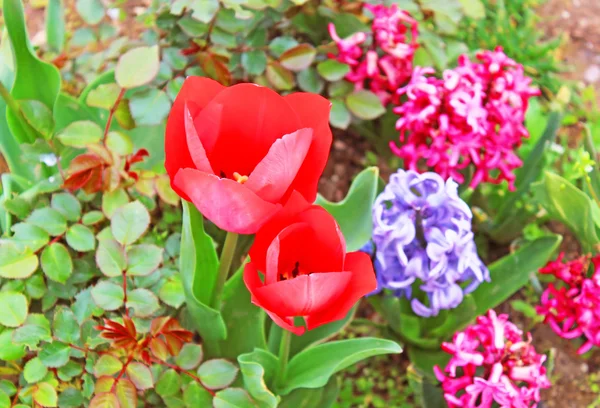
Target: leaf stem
<point x="112" y="112"/>
<point x="224" y="266"/>
<point x="125" y="293"/>
<point x="284" y="355"/>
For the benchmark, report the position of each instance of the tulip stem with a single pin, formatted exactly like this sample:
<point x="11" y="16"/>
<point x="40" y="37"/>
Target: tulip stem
<point x="284" y="354"/>
<point x="224" y="266"/>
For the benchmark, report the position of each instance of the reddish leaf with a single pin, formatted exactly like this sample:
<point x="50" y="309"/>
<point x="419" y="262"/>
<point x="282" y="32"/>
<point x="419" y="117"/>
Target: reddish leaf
<point x="159" y="349"/>
<point x="103" y="384"/>
<point x="140" y="375"/>
<point x="126" y="393"/>
<point x="104" y="400"/>
<point x="215" y="68"/>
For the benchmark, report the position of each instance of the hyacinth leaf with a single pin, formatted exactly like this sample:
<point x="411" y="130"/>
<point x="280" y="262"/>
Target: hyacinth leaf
<point x="448" y="322"/>
<point x="313" y="367"/>
<point x="34" y="79"/>
<point x="303" y="397"/>
<point x="511" y="273"/>
<point x="258" y="370"/>
<point x="427" y="393"/>
<point x="312" y="337"/>
<point x="199" y="265"/>
<point x="353" y="213"/>
<point x="244" y="321"/>
<point x="55" y="25"/>
<point x="425" y="360"/>
<point x="532" y="167"/>
<point x="569" y="205"/>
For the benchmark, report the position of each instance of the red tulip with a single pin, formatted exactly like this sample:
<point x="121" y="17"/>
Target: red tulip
<point x="306" y="271"/>
<point x="238" y="152"/>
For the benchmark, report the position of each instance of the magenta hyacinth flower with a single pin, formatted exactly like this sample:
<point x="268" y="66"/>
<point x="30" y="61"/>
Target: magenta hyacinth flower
<point x="387" y="63"/>
<point x="572" y="310"/>
<point x="472" y="116"/>
<point x="423" y="238"/>
<point x="491" y="364"/>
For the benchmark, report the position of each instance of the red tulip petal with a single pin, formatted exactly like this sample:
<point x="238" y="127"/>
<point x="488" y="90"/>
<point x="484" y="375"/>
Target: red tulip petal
<point x="274" y="174"/>
<point x="270" y="230"/>
<point x="228" y="204"/>
<point x="305" y="294"/>
<point x="194" y="144"/>
<point x="253" y="282"/>
<point x="331" y="245"/>
<point x="200" y="91"/>
<point x="253" y="118"/>
<point x="286" y="323"/>
<point x="363" y="281"/>
<point x="276" y="264"/>
<point x="313" y="111"/>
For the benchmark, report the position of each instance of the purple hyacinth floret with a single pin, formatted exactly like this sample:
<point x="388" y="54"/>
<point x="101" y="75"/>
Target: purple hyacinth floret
<point x="422" y="233"/>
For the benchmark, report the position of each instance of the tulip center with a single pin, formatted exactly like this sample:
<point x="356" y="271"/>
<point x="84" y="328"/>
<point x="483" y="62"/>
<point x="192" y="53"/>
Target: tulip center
<point x="291" y="274"/>
<point x="239" y="178"/>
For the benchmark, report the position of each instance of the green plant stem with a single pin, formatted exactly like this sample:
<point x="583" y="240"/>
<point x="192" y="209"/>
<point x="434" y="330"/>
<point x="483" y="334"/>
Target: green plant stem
<point x="224" y="266"/>
<point x="16" y="110"/>
<point x="284" y="355"/>
<point x="6" y="193"/>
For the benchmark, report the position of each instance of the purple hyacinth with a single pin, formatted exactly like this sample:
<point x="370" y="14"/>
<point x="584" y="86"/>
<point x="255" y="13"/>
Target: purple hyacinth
<point x="422" y="234"/>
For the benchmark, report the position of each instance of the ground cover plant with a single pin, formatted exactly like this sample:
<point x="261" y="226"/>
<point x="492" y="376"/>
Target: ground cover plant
<point x="166" y="239"/>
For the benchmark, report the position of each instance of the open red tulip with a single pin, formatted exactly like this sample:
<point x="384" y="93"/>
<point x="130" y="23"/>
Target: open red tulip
<point x="238" y="152"/>
<point x="299" y="268"/>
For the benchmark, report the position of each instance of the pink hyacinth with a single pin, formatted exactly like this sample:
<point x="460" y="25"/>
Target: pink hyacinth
<point x="491" y="362"/>
<point x="473" y="115"/>
<point x="571" y="310"/>
<point x="387" y="63"/>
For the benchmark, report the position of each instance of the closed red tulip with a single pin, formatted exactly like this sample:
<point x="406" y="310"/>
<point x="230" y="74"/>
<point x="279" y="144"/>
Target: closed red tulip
<point x="238" y="152"/>
<point x="299" y="268"/>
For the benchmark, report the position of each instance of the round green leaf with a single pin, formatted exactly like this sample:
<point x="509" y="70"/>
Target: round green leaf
<point x="171" y="292"/>
<point x="218" y="373"/>
<point x="71" y="397"/>
<point x="298" y="58"/>
<point x="309" y="81"/>
<point x="92" y="11"/>
<point x="130" y="222"/>
<point x="9" y="350"/>
<point x="38" y="116"/>
<point x="80" y="134"/>
<point x="108" y="295"/>
<point x="48" y="219"/>
<point x="279" y="45"/>
<point x="5" y="400"/>
<point x="34" y="370"/>
<point x="35" y="329"/>
<point x="143" y="302"/>
<point x="14" y="309"/>
<point x="365" y="105"/>
<point x="55" y="354"/>
<point x="67" y="205"/>
<point x="137" y="67"/>
<point x="81" y="238"/>
<point x="143" y="259"/>
<point x="140" y="375"/>
<point x="107" y="365"/>
<point x="233" y="398"/>
<point x="190" y="356"/>
<point x="16" y="264"/>
<point x="339" y="117"/>
<point x="332" y="70"/>
<point x="119" y="142"/>
<point x="35" y="286"/>
<point x="45" y="395"/>
<point x="105" y="400"/>
<point x="149" y="106"/>
<point x="113" y="200"/>
<point x="27" y="237"/>
<point x="103" y="96"/>
<point x="57" y="263"/>
<point x="110" y="258"/>
<point x="254" y="62"/>
<point x="281" y="78"/>
<point x="93" y="217"/>
<point x="65" y="326"/>
<point x="196" y="396"/>
<point x="168" y="384"/>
